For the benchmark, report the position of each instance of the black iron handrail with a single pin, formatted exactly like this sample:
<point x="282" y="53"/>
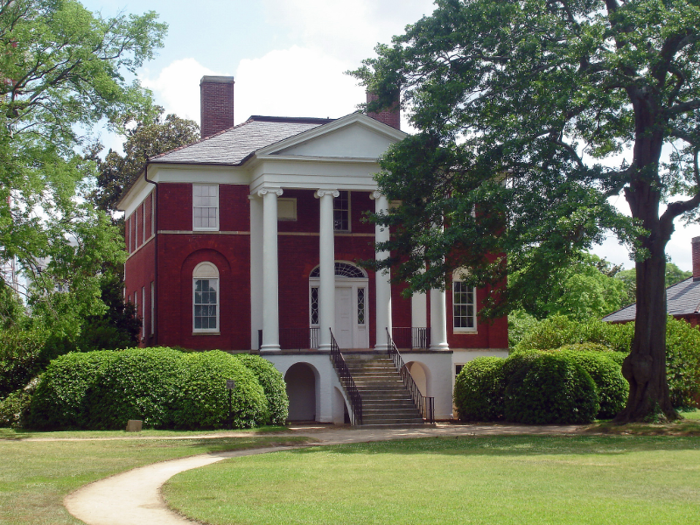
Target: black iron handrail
<point x="346" y="379"/>
<point x="425" y="405"/>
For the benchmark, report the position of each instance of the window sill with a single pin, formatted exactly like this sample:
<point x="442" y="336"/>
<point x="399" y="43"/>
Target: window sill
<point x="465" y="331"/>
<point x="206" y="333"/>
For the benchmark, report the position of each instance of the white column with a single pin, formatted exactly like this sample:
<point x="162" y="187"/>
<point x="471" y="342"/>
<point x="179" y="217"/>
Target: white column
<point x="256" y="276"/>
<point x="382" y="278"/>
<point x="271" y="332"/>
<point x="326" y="286"/>
<point x="438" y="320"/>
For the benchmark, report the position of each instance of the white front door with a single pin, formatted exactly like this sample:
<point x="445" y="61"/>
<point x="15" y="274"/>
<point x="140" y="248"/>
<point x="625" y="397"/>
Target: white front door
<point x="343" y="317"/>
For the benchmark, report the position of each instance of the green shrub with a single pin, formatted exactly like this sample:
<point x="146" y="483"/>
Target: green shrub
<point x="682" y="362"/>
<point x="520" y="324"/>
<point x="611" y="387"/>
<point x="549" y="389"/>
<point x="479" y="390"/>
<point x="203" y="401"/>
<point x="139" y="383"/>
<point x="61" y="399"/>
<point x="558" y="331"/>
<point x="21" y="358"/>
<point x="273" y="384"/>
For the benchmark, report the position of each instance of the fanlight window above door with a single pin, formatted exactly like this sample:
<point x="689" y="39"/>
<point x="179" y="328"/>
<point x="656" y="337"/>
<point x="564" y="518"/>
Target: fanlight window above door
<point x="342" y="270"/>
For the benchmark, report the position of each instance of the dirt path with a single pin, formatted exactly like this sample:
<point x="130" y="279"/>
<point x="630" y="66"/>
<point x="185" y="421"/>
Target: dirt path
<point x="134" y="497"/>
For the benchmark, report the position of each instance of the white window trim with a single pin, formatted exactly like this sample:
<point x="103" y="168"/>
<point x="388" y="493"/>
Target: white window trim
<point x="218" y="210"/>
<point x="349" y="230"/>
<point x="143" y="302"/>
<point x="456" y="278"/>
<point x="153" y="308"/>
<point x="143" y="225"/>
<point x="209" y="271"/>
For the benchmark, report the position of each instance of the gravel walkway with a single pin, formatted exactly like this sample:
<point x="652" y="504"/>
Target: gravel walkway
<point x="134" y="497"/>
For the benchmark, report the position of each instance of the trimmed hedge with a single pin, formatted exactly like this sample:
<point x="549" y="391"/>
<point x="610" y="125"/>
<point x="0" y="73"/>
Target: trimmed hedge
<point x="164" y="388"/>
<point x="479" y="390"/>
<point x="138" y="383"/>
<point x="550" y="389"/>
<point x="611" y="387"/>
<point x="203" y="398"/>
<point x="273" y="384"/>
<point x="61" y="398"/>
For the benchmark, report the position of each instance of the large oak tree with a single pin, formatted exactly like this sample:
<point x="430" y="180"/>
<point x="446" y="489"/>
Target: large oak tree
<point x="539" y="113"/>
<point x="63" y="69"/>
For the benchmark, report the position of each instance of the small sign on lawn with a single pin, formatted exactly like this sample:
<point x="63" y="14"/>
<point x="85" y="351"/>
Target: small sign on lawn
<point x="230" y="384"/>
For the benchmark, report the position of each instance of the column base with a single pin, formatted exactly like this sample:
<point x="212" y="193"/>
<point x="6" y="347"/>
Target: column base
<point x="324" y="347"/>
<point x="440" y="346"/>
<point x="381" y="348"/>
<point x="270" y="348"/>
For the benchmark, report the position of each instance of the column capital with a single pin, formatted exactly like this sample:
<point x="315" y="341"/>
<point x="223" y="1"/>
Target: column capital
<point x="376" y="194"/>
<point x="323" y="193"/>
<point x="264" y="191"/>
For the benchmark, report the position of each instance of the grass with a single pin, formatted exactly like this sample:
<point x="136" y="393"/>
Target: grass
<point x="477" y="480"/>
<point x="12" y="433"/>
<point x="35" y="476"/>
<point x="688" y="426"/>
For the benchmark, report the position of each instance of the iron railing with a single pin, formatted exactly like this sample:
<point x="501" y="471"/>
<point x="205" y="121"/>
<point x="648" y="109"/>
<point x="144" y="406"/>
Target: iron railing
<point x="347" y="381"/>
<point x="411" y="337"/>
<point x="426" y="405"/>
<point x="295" y="338"/>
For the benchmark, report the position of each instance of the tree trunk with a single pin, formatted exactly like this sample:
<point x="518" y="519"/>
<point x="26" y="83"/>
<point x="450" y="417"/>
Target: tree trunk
<point x="645" y="366"/>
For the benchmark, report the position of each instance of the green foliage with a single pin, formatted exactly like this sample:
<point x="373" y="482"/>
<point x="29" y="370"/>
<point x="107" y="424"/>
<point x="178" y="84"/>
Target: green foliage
<point x="22" y="357"/>
<point x="611" y="387"/>
<point x="520" y="324"/>
<point x="62" y="398"/>
<point x="139" y="383"/>
<point x="584" y="289"/>
<point x="558" y="331"/>
<point x="479" y="390"/>
<point x="683" y="362"/>
<point x="203" y="398"/>
<point x="14" y="409"/>
<point x="272" y="383"/>
<point x="64" y="70"/>
<point x="162" y="387"/>
<point x="551" y="389"/>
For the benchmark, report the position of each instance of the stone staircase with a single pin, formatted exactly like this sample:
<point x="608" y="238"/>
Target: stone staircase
<point x="385" y="401"/>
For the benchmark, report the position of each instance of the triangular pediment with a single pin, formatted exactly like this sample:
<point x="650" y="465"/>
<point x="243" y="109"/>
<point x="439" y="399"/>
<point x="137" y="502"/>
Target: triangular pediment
<point x="355" y="136"/>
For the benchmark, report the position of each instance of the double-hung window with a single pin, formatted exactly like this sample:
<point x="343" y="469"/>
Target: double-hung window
<point x="205" y="207"/>
<point x="205" y="298"/>
<point x="463" y="305"/>
<point x="341" y="212"/>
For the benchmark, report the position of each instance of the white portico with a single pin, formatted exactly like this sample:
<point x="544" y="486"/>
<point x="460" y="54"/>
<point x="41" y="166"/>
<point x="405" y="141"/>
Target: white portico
<point x="331" y="160"/>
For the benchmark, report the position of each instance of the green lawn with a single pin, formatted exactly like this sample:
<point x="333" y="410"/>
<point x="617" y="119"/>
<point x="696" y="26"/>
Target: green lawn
<point x="35" y="476"/>
<point x="478" y="480"/>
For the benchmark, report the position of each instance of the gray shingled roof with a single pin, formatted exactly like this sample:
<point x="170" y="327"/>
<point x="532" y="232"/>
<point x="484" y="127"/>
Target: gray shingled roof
<point x="681" y="299"/>
<point x="234" y="145"/>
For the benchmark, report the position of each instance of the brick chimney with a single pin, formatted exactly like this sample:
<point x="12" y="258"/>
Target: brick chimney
<point x="216" y="104"/>
<point x="389" y="116"/>
<point x="696" y="258"/>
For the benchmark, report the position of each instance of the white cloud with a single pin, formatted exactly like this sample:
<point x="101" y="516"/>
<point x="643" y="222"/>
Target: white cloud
<point x="295" y="82"/>
<point x="176" y="86"/>
<point x="347" y="29"/>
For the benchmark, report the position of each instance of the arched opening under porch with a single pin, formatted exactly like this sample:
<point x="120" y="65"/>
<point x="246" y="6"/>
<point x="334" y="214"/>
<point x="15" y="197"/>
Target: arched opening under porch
<point x="302" y="390"/>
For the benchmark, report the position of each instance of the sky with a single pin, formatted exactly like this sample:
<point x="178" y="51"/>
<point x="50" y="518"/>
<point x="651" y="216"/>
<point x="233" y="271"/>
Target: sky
<point x="288" y="58"/>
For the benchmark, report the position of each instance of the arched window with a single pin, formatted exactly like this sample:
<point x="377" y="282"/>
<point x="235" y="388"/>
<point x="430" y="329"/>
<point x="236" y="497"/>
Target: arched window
<point x="205" y="298"/>
<point x="463" y="304"/>
<point x="342" y="269"/>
